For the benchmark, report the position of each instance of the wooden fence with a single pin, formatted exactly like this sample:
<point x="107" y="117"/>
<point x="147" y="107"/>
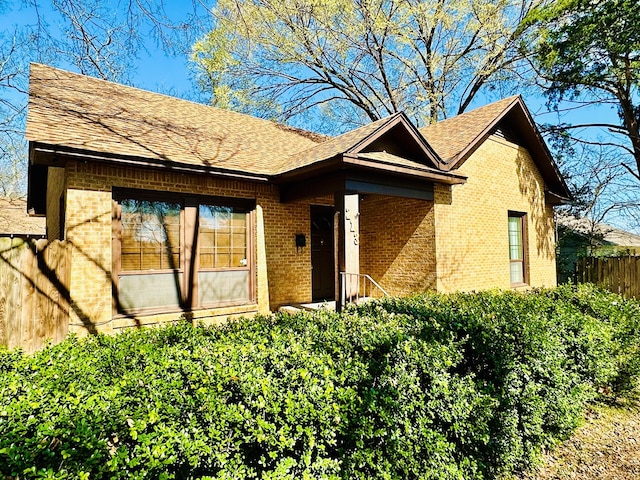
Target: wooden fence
<point x="616" y="274"/>
<point x="34" y="292"/>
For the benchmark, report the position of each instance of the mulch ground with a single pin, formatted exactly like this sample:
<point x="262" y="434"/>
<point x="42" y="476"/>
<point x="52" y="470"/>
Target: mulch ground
<point x="605" y="447"/>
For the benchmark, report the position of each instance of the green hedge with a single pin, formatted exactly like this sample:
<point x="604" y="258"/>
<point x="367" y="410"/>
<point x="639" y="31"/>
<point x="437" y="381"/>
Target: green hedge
<point x="433" y="386"/>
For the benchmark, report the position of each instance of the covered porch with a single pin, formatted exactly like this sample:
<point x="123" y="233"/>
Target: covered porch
<point x="380" y="231"/>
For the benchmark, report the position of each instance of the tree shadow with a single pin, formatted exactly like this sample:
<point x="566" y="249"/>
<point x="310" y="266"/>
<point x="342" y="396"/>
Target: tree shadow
<point x="540" y="218"/>
<point x="397" y="243"/>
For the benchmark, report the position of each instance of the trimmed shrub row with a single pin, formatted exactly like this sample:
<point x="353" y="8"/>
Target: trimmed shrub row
<point x="446" y="387"/>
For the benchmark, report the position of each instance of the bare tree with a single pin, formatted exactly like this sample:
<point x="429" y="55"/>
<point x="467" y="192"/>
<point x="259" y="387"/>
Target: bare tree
<point x="360" y="60"/>
<point x="89" y="36"/>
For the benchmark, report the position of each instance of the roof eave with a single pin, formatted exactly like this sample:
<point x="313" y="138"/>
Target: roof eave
<point x="556" y="199"/>
<point x="400" y="118"/>
<point x="447" y="178"/>
<point x="459" y="158"/>
<point x="534" y="137"/>
<point x="56" y="155"/>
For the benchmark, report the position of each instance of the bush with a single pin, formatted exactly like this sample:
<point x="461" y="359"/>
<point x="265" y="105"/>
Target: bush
<point x="432" y="386"/>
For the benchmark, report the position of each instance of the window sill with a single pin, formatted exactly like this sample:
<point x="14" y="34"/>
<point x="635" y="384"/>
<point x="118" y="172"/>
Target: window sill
<point x="202" y="315"/>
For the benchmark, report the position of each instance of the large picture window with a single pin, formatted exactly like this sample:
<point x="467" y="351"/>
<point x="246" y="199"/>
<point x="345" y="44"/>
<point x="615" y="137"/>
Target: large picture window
<point x="181" y="252"/>
<point x="517" y="248"/>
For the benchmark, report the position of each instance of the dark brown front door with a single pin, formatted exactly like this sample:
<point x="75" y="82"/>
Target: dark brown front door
<point x="322" y="257"/>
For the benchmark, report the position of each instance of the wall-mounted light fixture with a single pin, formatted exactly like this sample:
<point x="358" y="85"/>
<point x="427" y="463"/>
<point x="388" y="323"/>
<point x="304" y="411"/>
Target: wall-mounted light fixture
<point x="301" y="240"/>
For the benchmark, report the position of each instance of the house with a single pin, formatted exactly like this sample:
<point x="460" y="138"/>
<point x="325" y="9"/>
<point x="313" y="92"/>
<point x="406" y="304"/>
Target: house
<point x="176" y="208"/>
<point x="15" y="222"/>
<point x="582" y="237"/>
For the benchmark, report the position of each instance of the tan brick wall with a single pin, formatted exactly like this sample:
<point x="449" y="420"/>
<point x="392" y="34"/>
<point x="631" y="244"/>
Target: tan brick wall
<point x="397" y="243"/>
<point x="88" y="223"/>
<point x="472" y="243"/>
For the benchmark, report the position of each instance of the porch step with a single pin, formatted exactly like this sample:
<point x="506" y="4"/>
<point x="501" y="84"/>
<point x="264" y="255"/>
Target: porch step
<point x="293" y="309"/>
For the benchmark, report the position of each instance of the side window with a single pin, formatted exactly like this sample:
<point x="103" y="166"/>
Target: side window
<point x="518" y="248"/>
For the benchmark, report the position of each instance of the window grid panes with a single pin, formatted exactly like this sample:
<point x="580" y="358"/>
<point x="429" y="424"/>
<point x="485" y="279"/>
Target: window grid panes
<point x="151" y="235"/>
<point x="516" y="249"/>
<point x="222" y="237"/>
<point x="153" y="256"/>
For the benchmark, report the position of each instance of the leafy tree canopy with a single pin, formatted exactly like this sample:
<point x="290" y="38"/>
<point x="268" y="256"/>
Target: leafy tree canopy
<point x="360" y="60"/>
<point x="589" y="50"/>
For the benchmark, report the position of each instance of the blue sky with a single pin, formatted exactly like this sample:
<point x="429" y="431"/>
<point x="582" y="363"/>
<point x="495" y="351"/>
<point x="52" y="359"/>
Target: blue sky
<point x="153" y="70"/>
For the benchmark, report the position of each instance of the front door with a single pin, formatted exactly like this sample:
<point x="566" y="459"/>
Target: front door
<point x="322" y="256"/>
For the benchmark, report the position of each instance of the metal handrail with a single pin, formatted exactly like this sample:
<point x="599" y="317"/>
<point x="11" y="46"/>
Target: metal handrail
<point x="354" y="295"/>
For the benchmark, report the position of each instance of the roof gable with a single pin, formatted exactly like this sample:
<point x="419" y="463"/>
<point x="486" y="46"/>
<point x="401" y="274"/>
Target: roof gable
<point x="394" y="138"/>
<point x="455" y="139"/>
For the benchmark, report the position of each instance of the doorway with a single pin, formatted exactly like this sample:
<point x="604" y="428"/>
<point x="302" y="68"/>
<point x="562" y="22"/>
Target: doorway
<point x="322" y="255"/>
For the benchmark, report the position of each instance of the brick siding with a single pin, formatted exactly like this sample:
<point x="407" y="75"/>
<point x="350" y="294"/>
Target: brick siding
<point x="472" y="243"/>
<point x="89" y="224"/>
<point x="397" y="243"/>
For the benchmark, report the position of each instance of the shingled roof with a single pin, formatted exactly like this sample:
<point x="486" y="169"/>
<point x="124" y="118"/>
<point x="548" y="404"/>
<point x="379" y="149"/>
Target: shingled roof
<point x="15" y="221"/>
<point x="408" y="149"/>
<point x="73" y="114"/>
<point x="456" y="138"/>
<point x="76" y="112"/>
<point x="451" y="137"/>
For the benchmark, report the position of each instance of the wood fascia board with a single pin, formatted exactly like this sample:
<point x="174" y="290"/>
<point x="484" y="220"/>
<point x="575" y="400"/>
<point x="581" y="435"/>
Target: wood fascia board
<point x="555" y="199"/>
<point x="565" y="195"/>
<point x="357" y="182"/>
<point x="532" y="136"/>
<point x="62" y="153"/>
<point x="399" y="119"/>
<point x="312" y="187"/>
<point x="381" y="130"/>
<point x="428" y="173"/>
<point x="323" y="166"/>
<point x="422" y="192"/>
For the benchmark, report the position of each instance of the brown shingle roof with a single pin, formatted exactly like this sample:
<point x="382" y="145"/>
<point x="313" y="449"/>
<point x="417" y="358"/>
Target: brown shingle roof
<point x="14" y="219"/>
<point x="604" y="234"/>
<point x="450" y="138"/>
<point x="80" y="112"/>
<point x="69" y="112"/>
<point x="456" y="138"/>
<point x="333" y="146"/>
<point x="359" y="140"/>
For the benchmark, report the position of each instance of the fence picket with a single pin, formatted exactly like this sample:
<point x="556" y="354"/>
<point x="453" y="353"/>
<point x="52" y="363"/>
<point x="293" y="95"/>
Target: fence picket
<point x="32" y="307"/>
<point x="617" y="274"/>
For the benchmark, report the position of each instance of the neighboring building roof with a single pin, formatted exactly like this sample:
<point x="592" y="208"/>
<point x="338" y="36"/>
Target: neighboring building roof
<point x="456" y="138"/>
<point x="78" y="112"/>
<point x="601" y="233"/>
<point x="15" y="221"/>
